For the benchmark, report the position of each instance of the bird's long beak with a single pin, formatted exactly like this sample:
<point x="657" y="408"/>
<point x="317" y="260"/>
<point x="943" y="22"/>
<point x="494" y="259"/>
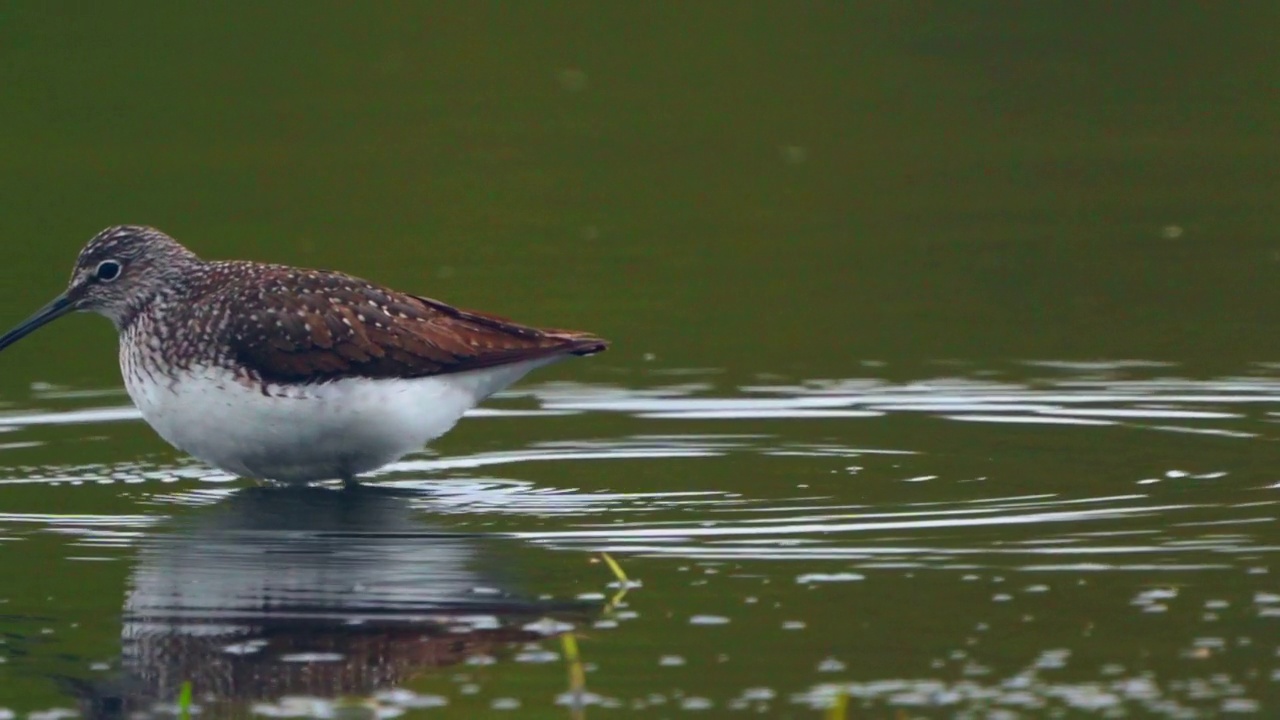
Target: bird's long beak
<point x="58" y="307"/>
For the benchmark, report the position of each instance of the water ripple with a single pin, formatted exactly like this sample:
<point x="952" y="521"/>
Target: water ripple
<point x="1080" y="400"/>
<point x="800" y="519"/>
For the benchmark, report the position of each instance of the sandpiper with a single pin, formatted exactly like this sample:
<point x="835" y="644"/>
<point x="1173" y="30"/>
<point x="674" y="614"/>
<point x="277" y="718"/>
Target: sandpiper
<point x="287" y="374"/>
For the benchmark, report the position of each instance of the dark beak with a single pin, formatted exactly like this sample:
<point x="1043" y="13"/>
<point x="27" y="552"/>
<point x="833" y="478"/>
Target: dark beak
<point x="60" y="306"/>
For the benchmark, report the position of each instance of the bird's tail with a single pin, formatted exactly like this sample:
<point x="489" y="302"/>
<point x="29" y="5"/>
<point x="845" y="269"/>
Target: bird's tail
<point x="581" y="343"/>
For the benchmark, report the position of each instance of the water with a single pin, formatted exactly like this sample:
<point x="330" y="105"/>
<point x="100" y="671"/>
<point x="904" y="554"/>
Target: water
<point x="944" y="379"/>
<point x="984" y="539"/>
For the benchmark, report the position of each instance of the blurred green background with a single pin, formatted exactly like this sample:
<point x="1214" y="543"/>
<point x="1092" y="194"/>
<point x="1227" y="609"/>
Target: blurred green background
<point x="781" y="189"/>
<point x="777" y="187"/>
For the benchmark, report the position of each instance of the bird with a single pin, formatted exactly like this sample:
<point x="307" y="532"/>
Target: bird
<point x="285" y="374"/>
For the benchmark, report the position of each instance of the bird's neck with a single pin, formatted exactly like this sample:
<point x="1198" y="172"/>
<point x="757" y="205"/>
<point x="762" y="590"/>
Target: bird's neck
<point x="168" y="288"/>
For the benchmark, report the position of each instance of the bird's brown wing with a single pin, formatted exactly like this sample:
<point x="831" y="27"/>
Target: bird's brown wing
<point x="317" y="326"/>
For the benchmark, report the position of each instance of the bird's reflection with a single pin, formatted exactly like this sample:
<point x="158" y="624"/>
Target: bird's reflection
<point x="308" y="591"/>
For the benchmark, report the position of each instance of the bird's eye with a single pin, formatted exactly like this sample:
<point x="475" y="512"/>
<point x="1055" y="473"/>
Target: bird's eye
<point x="107" y="271"/>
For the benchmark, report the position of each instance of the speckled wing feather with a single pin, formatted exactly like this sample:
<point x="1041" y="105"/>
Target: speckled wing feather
<point x="318" y="326"/>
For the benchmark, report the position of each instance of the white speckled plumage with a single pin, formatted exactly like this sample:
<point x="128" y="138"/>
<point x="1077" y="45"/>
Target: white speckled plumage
<point x="289" y="374"/>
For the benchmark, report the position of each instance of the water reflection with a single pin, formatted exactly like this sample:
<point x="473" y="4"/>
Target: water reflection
<point x="1128" y="511"/>
<point x="310" y="592"/>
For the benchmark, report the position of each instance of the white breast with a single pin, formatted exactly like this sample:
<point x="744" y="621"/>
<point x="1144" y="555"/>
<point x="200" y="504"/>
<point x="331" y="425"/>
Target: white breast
<point x="302" y="433"/>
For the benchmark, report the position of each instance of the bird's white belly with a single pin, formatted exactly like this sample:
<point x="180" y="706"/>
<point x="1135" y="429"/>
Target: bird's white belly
<point x="302" y="433"/>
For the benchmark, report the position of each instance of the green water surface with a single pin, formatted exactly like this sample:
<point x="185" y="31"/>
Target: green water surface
<point x="943" y="375"/>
